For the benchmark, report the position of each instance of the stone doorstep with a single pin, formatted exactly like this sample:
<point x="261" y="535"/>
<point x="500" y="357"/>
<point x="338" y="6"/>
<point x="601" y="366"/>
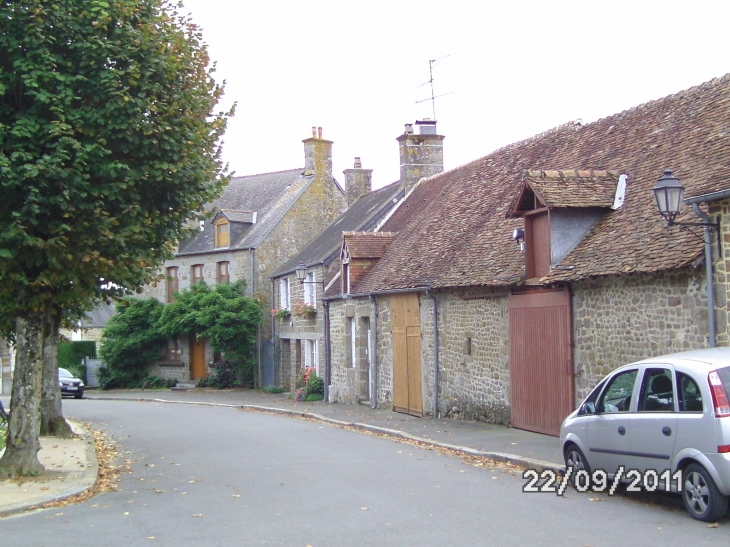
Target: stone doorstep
<point x="183" y="386"/>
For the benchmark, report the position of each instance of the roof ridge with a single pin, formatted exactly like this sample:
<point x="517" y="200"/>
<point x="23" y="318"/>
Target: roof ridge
<point x="563" y="174"/>
<point x="714" y="82"/>
<point x="269" y="173"/>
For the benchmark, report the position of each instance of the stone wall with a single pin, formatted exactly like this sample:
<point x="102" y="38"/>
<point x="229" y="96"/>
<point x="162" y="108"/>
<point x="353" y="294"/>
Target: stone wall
<point x="473" y="355"/>
<point x="618" y="320"/>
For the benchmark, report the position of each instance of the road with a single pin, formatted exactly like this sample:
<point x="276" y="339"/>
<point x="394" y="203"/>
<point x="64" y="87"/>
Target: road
<point x="214" y="476"/>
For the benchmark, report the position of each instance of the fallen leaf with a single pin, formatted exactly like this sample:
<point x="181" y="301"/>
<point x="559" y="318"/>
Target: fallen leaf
<point x="150" y="537"/>
<point x="198" y="515"/>
<point x="364" y="508"/>
<point x="126" y="513"/>
<point x="236" y="495"/>
<point x="713" y="525"/>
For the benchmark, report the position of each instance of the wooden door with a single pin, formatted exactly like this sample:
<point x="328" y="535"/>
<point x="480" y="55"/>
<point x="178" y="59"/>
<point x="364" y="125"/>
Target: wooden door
<point x="197" y="359"/>
<point x="407" y="378"/>
<point x="541" y="360"/>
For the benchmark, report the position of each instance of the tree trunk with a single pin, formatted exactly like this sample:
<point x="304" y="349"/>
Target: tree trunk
<point x="22" y="444"/>
<point x="52" y="420"/>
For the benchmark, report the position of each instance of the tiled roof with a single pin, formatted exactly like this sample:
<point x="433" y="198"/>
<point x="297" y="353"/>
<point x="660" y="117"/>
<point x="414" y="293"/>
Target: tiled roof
<point x="367" y="244"/>
<point x="270" y="195"/>
<point x="453" y="229"/>
<point x="239" y="216"/>
<point x="571" y="188"/>
<point x="360" y="216"/>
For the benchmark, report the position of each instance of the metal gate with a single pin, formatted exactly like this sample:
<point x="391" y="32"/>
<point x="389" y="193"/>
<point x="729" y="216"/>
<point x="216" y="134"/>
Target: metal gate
<point x="541" y="360"/>
<point x="407" y="379"/>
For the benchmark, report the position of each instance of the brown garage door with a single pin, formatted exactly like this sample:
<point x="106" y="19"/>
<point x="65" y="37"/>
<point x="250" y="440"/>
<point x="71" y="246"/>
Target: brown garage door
<point x="541" y="360"/>
<point x="407" y="379"/>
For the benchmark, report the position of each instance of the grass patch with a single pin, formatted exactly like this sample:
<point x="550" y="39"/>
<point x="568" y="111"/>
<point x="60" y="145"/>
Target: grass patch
<point x="314" y="397"/>
<point x="3" y="432"/>
<point x="272" y="389"/>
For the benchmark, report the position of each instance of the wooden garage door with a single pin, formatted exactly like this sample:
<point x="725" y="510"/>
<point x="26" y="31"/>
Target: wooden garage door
<point x="541" y="360"/>
<point x="407" y="379"/>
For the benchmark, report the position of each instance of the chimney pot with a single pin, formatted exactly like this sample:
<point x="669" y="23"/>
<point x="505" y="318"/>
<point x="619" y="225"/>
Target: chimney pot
<point x="358" y="163"/>
<point x="409" y="129"/>
<point x="319" y="132"/>
<point x="314" y="132"/>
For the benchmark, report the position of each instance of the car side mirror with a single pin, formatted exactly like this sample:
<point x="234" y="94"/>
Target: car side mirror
<point x="588" y="408"/>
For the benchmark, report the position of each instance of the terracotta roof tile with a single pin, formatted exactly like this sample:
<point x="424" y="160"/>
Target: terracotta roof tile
<point x="367" y="244"/>
<point x="453" y="229"/>
<point x="571" y="188"/>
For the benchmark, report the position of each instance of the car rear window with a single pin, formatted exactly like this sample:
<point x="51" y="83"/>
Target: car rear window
<point x="724" y="374"/>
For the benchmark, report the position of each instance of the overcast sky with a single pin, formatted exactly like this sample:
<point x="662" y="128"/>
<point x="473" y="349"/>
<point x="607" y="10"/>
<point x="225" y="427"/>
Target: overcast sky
<point x="511" y="69"/>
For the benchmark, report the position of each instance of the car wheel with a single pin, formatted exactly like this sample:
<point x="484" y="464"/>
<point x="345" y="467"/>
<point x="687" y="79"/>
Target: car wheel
<point x="575" y="460"/>
<point x="79" y="395"/>
<point x="702" y="499"/>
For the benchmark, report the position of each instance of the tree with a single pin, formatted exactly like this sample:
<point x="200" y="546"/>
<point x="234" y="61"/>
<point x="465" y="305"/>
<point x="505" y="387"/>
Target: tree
<point x="109" y="148"/>
<point x="223" y="315"/>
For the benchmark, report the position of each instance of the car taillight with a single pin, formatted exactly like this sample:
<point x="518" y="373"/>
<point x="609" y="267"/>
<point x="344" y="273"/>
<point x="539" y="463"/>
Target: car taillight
<point x="719" y="395"/>
<point x="723" y="449"/>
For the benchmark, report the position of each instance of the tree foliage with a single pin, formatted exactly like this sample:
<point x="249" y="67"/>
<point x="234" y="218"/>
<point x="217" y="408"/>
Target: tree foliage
<point x="131" y="341"/>
<point x="109" y="146"/>
<point x="223" y="315"/>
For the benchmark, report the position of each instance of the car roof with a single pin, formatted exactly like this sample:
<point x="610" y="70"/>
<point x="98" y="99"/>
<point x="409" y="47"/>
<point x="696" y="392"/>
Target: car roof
<point x="706" y="358"/>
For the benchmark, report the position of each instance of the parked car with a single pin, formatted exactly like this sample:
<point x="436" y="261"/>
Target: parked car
<point x="660" y="423"/>
<point x="70" y="385"/>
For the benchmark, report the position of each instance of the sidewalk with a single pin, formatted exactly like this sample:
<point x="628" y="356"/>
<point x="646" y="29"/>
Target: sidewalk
<point x="72" y="464"/>
<point x="71" y="468"/>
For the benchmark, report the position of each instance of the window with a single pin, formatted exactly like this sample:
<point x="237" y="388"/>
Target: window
<point x="657" y="391"/>
<point x="689" y="395"/>
<point x="284" y="294"/>
<point x="223" y="276"/>
<point x="196" y="273"/>
<point x="310" y="354"/>
<point x="310" y="289"/>
<point x="346" y="277"/>
<point x="222" y="233"/>
<point x="617" y="397"/>
<point x="172" y="351"/>
<point x="172" y="287"/>
<point x="353" y="344"/>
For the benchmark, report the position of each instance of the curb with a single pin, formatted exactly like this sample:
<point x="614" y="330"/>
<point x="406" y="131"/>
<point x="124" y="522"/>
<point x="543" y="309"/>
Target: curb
<point x="91" y="473"/>
<point x="503" y="457"/>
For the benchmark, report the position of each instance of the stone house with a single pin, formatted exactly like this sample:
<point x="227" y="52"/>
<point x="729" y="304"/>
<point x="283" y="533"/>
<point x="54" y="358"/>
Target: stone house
<point x="517" y="281"/>
<point x="300" y="341"/>
<point x="256" y="225"/>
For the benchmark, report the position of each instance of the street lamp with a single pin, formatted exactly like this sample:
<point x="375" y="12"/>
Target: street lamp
<point x="301" y="271"/>
<point x="668" y="193"/>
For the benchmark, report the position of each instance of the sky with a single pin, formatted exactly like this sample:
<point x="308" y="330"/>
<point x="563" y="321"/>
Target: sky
<point x="506" y="70"/>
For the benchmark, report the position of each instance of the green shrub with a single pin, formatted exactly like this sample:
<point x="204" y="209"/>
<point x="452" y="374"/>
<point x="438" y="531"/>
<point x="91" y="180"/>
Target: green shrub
<point x="314" y="397"/>
<point x="130" y="343"/>
<point x="224" y="375"/>
<point x="272" y="389"/>
<point x="315" y="385"/>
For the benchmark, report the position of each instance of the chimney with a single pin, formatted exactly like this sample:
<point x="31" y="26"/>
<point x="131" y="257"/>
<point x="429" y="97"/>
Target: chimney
<point x="317" y="154"/>
<point x="421" y="153"/>
<point x="358" y="182"/>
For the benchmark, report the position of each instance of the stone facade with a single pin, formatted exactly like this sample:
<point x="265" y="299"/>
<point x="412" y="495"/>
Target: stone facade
<point x="616" y="320"/>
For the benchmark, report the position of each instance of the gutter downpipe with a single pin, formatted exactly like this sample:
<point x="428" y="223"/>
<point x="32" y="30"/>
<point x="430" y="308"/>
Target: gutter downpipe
<point x="435" y="354"/>
<point x="374" y="352"/>
<point x="327" y="354"/>
<point x="708" y="272"/>
<point x="273" y="328"/>
<point x="258" y="327"/>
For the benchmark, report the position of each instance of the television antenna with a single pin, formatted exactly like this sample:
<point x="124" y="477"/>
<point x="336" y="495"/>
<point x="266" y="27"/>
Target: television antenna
<point x="432" y="98"/>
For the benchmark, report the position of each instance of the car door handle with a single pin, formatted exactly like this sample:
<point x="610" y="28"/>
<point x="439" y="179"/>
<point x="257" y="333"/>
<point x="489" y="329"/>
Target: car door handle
<point x="666" y="431"/>
<point x="621" y="430"/>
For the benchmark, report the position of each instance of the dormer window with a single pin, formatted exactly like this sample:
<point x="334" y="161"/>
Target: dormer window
<point x="559" y="209"/>
<point x="222" y="233"/>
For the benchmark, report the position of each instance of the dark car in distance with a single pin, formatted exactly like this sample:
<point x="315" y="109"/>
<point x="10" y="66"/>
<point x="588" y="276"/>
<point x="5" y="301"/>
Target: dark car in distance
<point x="70" y="385"/>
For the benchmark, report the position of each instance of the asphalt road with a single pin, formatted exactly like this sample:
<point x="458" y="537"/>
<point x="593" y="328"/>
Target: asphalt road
<point x="207" y="476"/>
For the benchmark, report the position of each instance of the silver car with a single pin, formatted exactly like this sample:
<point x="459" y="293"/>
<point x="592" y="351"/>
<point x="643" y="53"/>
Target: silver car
<point x="661" y="423"/>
